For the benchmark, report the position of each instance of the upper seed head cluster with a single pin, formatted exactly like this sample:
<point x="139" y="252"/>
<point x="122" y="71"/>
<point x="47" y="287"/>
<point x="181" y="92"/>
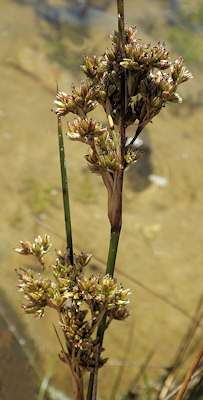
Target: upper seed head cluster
<point x="151" y="80"/>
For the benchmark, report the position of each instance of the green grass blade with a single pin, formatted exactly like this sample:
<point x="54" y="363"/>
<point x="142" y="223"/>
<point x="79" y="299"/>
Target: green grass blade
<point x="64" y="181"/>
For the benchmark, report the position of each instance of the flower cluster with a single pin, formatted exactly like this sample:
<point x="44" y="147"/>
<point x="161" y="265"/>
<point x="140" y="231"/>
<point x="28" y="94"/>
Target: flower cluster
<point x="40" y="247"/>
<point x="142" y="63"/>
<point x="151" y="82"/>
<point x="80" y="102"/>
<point x="145" y="57"/>
<point x="103" y="157"/>
<point x="81" y="301"/>
<point x="38" y="291"/>
<point x="85" y="130"/>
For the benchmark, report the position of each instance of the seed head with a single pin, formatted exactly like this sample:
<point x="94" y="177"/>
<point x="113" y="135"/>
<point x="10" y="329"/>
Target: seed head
<point x="85" y="130"/>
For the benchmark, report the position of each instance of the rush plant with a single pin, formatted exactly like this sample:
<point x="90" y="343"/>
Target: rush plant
<point x="132" y="82"/>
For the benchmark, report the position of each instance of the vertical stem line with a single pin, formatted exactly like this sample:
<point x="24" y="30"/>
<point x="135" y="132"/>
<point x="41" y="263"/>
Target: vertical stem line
<point x="116" y="215"/>
<point x="90" y="386"/>
<point x="123" y="86"/>
<point x="64" y="180"/>
<point x="113" y="247"/>
<point x="120" y="8"/>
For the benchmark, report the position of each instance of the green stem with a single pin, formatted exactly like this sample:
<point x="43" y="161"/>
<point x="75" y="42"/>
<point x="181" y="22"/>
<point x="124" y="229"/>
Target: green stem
<point x="116" y="200"/>
<point x="90" y="386"/>
<point x="64" y="181"/>
<point x="113" y="247"/>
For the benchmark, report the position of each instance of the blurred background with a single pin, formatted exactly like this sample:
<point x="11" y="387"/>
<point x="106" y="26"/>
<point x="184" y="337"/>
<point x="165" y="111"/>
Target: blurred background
<point x="160" y="255"/>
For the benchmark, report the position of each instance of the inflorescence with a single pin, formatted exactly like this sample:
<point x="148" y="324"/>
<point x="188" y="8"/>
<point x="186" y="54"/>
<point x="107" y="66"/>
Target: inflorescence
<point x="151" y="79"/>
<point x="81" y="301"/>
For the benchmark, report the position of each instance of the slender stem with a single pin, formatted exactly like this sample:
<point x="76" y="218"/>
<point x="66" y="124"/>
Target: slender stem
<point x="90" y="387"/>
<point x="115" y="197"/>
<point x="64" y="180"/>
<point x="94" y="389"/>
<point x="175" y="391"/>
<point x="116" y="214"/>
<point x="77" y="382"/>
<point x="113" y="246"/>
<point x="189" y="374"/>
<point x="120" y="8"/>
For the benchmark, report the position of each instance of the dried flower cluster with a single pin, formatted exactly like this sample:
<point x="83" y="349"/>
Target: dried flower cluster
<point x="40" y="247"/>
<point x="81" y="301"/>
<point x="151" y="82"/>
<point x="149" y="86"/>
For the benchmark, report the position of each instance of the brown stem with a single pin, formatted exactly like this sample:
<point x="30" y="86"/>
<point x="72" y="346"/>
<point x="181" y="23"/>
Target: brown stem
<point x="95" y="380"/>
<point x="189" y="374"/>
<point x="108" y="181"/>
<point x="175" y="391"/>
<point x="120" y="8"/>
<point x="76" y="379"/>
<point x="116" y="215"/>
<point x="116" y="202"/>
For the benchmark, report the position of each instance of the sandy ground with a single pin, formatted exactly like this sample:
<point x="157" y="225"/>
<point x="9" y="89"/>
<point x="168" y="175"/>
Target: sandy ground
<point x="161" y="241"/>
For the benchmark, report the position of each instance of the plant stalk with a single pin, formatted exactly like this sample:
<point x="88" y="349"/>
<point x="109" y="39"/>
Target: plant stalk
<point x="113" y="247"/>
<point x="189" y="374"/>
<point x="116" y="200"/>
<point x="64" y="181"/>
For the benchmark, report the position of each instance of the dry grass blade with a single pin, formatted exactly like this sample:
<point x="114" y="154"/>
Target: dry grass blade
<point x="182" y="350"/>
<point x="189" y="374"/>
<point x="175" y="391"/>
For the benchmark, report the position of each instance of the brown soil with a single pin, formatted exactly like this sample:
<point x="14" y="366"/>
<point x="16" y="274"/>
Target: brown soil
<point x="161" y="242"/>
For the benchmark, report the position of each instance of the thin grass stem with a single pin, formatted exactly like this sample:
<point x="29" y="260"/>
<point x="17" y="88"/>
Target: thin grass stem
<point x="64" y="181"/>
